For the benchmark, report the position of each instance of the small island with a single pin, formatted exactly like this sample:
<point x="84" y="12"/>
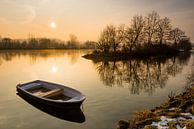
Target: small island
<point x="146" y="36"/>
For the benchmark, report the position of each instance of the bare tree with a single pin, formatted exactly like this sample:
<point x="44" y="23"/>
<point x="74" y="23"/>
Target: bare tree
<point x="176" y="35"/>
<point x="130" y="38"/>
<point x="121" y="36"/>
<point x="102" y="44"/>
<point x="137" y="29"/>
<point x="73" y="41"/>
<point x="6" y="43"/>
<point x="111" y="37"/>
<point x="108" y="39"/>
<point x="150" y="29"/>
<point x="163" y="30"/>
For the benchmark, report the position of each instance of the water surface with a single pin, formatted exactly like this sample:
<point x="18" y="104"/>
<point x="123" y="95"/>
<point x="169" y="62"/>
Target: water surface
<point x="114" y="89"/>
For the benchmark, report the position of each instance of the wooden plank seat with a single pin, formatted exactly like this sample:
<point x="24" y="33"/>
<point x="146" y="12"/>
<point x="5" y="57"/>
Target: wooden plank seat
<point x="50" y="93"/>
<point x="39" y="89"/>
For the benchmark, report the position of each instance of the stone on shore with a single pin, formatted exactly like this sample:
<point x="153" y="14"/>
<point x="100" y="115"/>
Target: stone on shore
<point x="122" y="124"/>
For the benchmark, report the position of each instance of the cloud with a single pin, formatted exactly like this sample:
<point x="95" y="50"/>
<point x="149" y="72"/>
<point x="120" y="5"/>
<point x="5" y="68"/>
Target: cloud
<point x="18" y="13"/>
<point x="30" y="15"/>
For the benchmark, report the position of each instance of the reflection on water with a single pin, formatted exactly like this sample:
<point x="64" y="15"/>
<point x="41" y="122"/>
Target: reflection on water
<point x="73" y="115"/>
<point x="36" y="55"/>
<point x="54" y="69"/>
<point x="141" y="74"/>
<point x="114" y="90"/>
<point x="190" y="76"/>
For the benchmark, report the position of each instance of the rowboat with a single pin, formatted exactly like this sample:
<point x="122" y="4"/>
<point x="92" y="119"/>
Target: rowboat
<point x="69" y="114"/>
<point x="52" y="94"/>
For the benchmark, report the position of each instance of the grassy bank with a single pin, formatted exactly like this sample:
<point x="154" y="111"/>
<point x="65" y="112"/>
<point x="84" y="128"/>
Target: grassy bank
<point x="176" y="113"/>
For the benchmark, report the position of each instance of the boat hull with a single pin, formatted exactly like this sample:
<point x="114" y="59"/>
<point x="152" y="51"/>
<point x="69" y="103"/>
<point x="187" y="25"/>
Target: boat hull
<point x="51" y="103"/>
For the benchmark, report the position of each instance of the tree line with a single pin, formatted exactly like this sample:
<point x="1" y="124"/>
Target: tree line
<point x="45" y="43"/>
<point x="147" y="33"/>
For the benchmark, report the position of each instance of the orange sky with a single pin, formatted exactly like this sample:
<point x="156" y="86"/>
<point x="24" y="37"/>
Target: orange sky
<point x="85" y="18"/>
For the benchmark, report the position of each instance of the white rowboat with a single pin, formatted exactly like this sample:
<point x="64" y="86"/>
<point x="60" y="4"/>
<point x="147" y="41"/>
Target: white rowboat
<point x="52" y="94"/>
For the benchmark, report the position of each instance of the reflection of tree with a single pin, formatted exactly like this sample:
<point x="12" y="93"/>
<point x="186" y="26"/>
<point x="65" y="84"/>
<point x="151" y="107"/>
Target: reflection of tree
<point x="141" y="75"/>
<point x="110" y="72"/>
<point x="73" y="55"/>
<point x="36" y="55"/>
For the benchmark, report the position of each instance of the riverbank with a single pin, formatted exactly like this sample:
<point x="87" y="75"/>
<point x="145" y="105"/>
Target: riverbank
<point x="176" y="113"/>
<point x="141" y="53"/>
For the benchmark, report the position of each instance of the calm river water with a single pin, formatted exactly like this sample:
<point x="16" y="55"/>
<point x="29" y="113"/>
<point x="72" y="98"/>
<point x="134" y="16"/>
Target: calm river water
<point x="114" y="90"/>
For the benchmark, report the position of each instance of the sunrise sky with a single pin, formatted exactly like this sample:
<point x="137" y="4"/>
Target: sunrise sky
<point x="85" y="18"/>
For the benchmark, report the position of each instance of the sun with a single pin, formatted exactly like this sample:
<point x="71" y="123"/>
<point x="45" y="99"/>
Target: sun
<point x="53" y="25"/>
<point x="54" y="69"/>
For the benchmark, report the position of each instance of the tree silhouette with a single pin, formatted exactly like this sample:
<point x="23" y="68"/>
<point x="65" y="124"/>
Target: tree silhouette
<point x="164" y="28"/>
<point x="73" y="41"/>
<point x="137" y="29"/>
<point x="145" y="35"/>
<point x="44" y="43"/>
<point x="176" y="35"/>
<point x="108" y="39"/>
<point x="150" y="29"/>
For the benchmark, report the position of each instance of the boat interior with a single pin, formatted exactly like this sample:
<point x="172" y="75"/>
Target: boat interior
<point x="43" y="91"/>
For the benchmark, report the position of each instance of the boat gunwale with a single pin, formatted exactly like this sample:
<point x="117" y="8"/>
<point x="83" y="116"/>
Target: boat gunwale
<point x="82" y="96"/>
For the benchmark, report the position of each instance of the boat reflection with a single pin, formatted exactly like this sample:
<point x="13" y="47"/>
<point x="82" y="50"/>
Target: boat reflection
<point x="72" y="115"/>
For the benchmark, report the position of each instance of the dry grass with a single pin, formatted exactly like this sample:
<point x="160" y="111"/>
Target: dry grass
<point x="144" y="115"/>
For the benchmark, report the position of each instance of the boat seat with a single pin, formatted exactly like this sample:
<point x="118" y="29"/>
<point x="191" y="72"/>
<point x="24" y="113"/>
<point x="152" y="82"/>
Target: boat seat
<point x="51" y="93"/>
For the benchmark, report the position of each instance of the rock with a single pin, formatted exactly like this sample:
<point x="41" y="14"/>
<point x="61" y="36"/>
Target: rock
<point x="147" y="121"/>
<point x="185" y="104"/>
<point x="178" y="127"/>
<point x="187" y="117"/>
<point x="186" y="114"/>
<point x="161" y="112"/>
<point x="163" y="118"/>
<point x="172" y="125"/>
<point x="171" y="120"/>
<point x="181" y="118"/>
<point x="163" y="127"/>
<point x="192" y="109"/>
<point x="188" y="123"/>
<point x="163" y="123"/>
<point x="149" y="127"/>
<point x="154" y="124"/>
<point x="172" y="109"/>
<point x="122" y="124"/>
<point x="172" y="114"/>
<point x="174" y="103"/>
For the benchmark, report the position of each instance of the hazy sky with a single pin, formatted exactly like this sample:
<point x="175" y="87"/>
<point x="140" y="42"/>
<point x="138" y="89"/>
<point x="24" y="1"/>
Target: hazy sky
<point x="85" y="18"/>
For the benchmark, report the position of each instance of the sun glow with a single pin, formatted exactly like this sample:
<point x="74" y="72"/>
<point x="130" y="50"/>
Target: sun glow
<point x="54" y="69"/>
<point x="53" y="25"/>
